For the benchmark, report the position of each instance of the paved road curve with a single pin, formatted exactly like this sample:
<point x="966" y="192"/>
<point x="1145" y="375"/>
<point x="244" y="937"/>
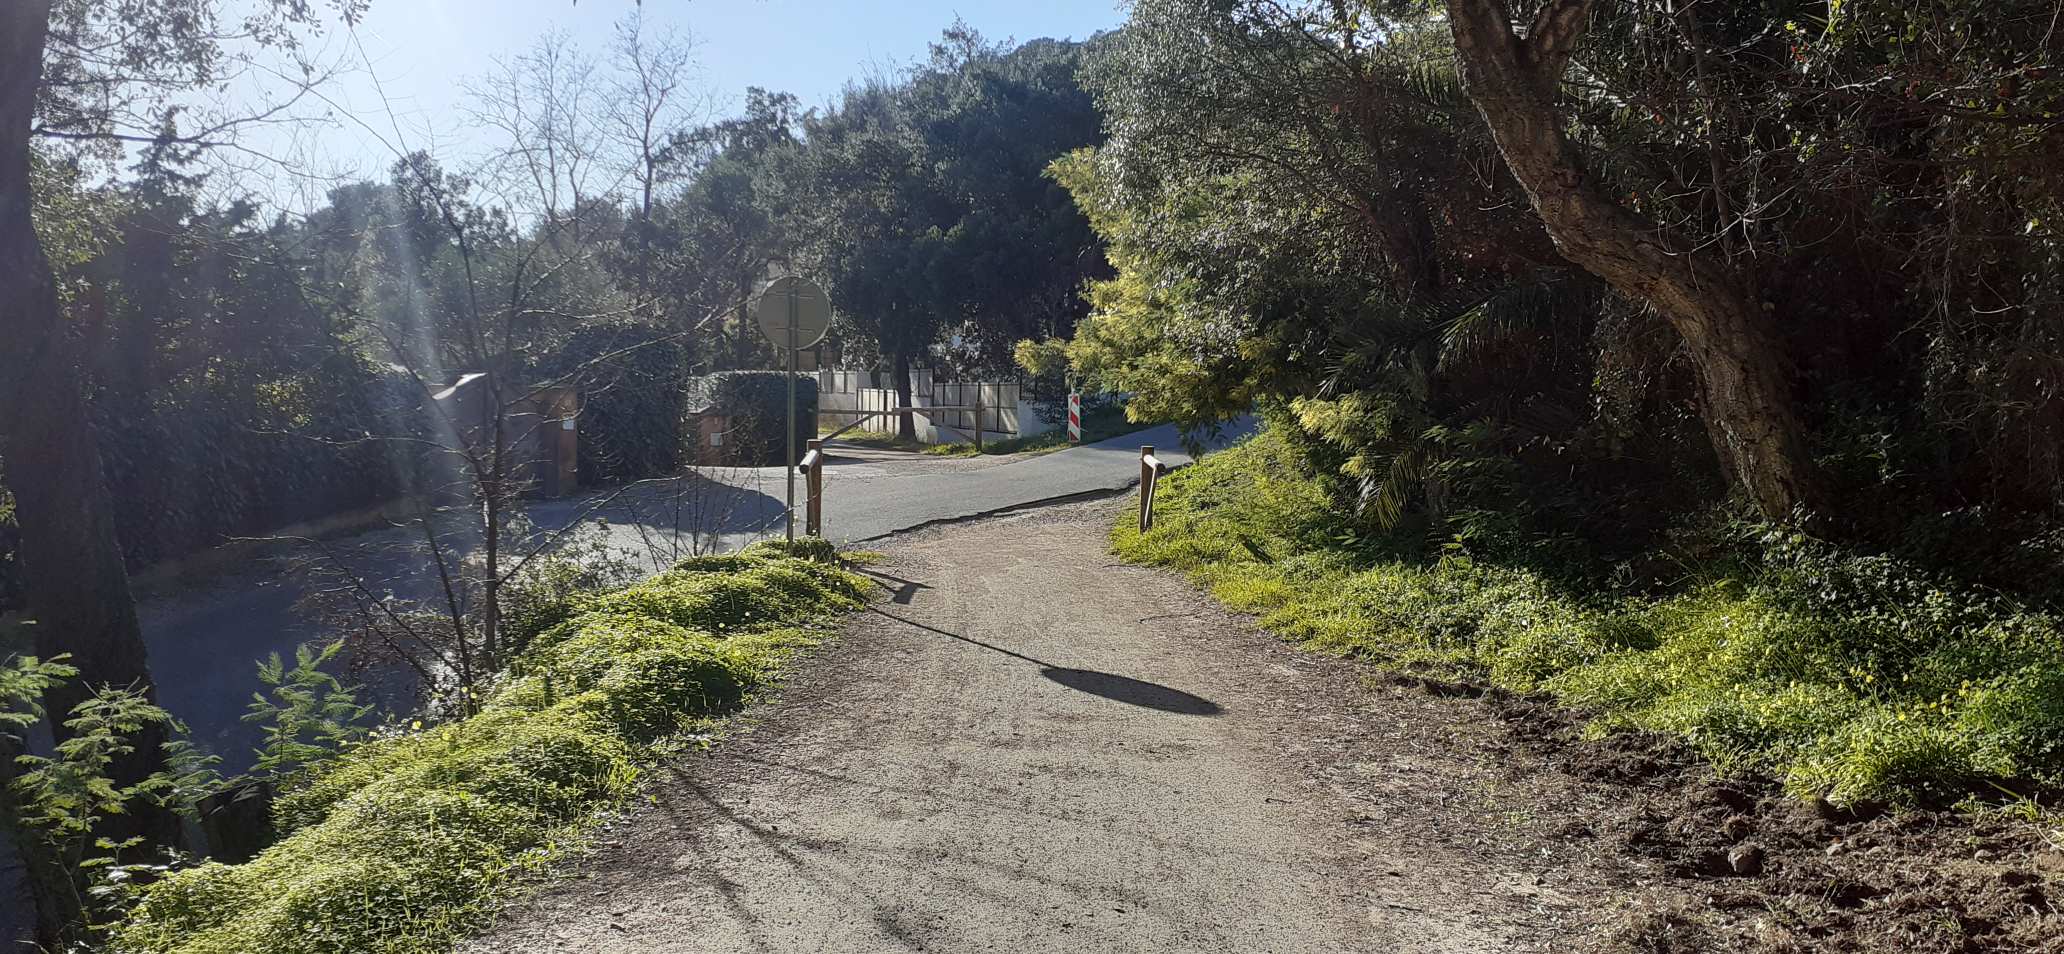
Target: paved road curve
<point x="865" y="501"/>
<point x="205" y="637"/>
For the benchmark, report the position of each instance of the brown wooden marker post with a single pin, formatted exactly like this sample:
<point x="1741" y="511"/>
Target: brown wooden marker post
<point x="814" y="522"/>
<point x="978" y="417"/>
<point x="1146" y="488"/>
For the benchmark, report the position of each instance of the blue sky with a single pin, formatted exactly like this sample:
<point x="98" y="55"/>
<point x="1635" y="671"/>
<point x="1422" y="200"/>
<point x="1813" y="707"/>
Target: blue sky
<point x="422" y="51"/>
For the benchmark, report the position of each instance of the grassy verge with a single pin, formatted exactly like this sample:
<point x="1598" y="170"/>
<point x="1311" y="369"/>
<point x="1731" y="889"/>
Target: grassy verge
<point x="407" y="843"/>
<point x="1851" y="677"/>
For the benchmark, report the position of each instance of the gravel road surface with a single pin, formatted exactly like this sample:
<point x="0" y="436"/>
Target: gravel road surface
<point x="1027" y="747"/>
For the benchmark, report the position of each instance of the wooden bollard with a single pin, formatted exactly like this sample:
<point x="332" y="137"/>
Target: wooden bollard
<point x="813" y="521"/>
<point x="1146" y="487"/>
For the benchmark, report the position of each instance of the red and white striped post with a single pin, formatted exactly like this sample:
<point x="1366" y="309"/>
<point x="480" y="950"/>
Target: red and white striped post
<point x="1074" y="417"/>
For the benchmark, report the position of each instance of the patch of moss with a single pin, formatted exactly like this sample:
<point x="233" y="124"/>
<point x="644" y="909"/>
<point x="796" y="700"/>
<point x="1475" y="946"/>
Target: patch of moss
<point x="407" y="843"/>
<point x="1850" y="676"/>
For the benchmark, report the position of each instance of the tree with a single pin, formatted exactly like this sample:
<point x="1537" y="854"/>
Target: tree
<point x="94" y="75"/>
<point x="868" y="222"/>
<point x="491" y="289"/>
<point x="715" y="241"/>
<point x="1745" y="374"/>
<point x="921" y="203"/>
<point x="652" y="100"/>
<point x="1306" y="212"/>
<point x="77" y="586"/>
<point x="992" y="118"/>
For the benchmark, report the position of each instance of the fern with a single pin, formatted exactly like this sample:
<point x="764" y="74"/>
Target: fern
<point x="310" y="717"/>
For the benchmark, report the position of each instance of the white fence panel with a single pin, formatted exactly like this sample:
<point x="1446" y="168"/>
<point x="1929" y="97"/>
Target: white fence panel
<point x="845" y="396"/>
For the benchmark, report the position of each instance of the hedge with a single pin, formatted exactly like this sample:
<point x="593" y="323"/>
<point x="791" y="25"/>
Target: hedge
<point x="632" y="406"/>
<point x="757" y="403"/>
<point x="197" y="468"/>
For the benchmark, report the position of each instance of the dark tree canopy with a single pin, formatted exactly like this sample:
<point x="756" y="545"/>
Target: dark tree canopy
<point x="922" y="204"/>
<point x="1308" y="205"/>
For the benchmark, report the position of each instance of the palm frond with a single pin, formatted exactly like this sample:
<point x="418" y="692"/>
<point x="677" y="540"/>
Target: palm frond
<point x="1497" y="318"/>
<point x="1385" y="500"/>
<point x="1436" y="81"/>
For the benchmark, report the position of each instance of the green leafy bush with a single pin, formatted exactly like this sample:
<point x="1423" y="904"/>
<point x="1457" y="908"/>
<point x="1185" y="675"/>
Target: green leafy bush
<point x="633" y="401"/>
<point x="1852" y="676"/>
<point x="552" y="589"/>
<point x="54" y="807"/>
<point x="404" y="843"/>
<point x="656" y="692"/>
<point x="757" y="403"/>
<point x="808" y="548"/>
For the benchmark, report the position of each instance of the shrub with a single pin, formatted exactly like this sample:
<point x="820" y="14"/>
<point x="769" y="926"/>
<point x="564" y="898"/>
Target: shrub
<point x="757" y="403"/>
<point x="547" y="768"/>
<point x="632" y="403"/>
<point x="405" y="843"/>
<point x="577" y="652"/>
<point x="805" y="548"/>
<point x="552" y="589"/>
<point x="717" y="563"/>
<point x="720" y="603"/>
<point x="393" y="871"/>
<point x="658" y="692"/>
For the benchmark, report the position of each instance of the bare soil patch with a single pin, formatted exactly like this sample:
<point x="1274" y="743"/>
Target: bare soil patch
<point x="1736" y="864"/>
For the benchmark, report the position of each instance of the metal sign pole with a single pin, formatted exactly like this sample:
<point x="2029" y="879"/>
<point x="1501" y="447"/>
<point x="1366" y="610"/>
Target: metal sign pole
<point x="789" y="461"/>
<point x="809" y="317"/>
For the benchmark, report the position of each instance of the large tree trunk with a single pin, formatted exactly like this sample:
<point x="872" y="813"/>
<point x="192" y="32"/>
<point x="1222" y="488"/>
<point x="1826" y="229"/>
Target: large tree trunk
<point x="77" y="589"/>
<point x="1742" y="368"/>
<point x="906" y="424"/>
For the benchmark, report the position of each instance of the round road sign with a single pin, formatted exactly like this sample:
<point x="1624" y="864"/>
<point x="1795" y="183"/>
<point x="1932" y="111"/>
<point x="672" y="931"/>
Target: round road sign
<point x="793" y="301"/>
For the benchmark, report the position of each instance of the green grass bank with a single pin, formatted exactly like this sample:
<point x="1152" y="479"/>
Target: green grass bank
<point x="1851" y="677"/>
<point x="404" y="844"/>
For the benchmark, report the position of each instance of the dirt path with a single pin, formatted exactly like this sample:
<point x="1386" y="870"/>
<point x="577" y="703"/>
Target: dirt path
<point x="1030" y="748"/>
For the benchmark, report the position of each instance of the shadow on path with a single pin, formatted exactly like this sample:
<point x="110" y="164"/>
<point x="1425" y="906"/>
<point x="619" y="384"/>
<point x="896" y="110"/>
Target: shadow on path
<point x="796" y="851"/>
<point x="905" y="590"/>
<point x="1133" y="692"/>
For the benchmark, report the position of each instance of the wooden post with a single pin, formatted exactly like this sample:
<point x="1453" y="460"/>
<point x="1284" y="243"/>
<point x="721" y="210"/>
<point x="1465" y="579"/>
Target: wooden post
<point x="1146" y="488"/>
<point x="237" y="821"/>
<point x="978" y="417"/>
<point x="814" y="523"/>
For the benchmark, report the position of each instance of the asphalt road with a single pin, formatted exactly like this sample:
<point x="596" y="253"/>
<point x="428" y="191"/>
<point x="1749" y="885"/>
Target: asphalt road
<point x="864" y="500"/>
<point x="206" y="636"/>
